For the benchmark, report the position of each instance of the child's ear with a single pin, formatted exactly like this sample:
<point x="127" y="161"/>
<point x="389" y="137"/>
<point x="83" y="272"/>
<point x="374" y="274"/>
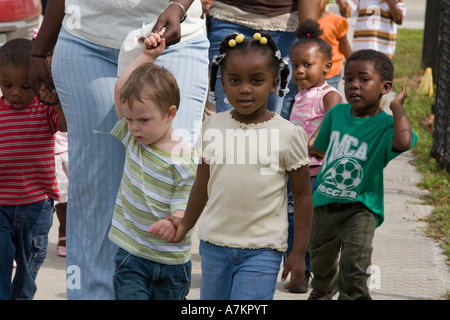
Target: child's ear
<point x="328" y="66"/>
<point x="387" y="86"/>
<point x="275" y="85"/>
<point x="172" y="112"/>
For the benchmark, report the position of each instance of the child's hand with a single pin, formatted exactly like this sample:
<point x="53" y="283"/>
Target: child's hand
<point x="181" y="229"/>
<point x="313" y="152"/>
<point x="154" y="44"/>
<point x="295" y="265"/>
<point x="399" y="99"/>
<point x="164" y="229"/>
<point x="46" y="96"/>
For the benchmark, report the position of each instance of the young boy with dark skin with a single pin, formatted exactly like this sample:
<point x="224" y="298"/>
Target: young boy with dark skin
<point x="28" y="185"/>
<point x="359" y="139"/>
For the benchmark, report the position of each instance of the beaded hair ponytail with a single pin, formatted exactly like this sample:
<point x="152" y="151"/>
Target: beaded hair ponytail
<point x="260" y="41"/>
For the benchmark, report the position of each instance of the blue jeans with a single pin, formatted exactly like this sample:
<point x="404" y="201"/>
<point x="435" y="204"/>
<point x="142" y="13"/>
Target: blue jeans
<point x="137" y="278"/>
<point x="334" y="81"/>
<point x="23" y="237"/>
<point x="238" y="274"/>
<point x="219" y="30"/>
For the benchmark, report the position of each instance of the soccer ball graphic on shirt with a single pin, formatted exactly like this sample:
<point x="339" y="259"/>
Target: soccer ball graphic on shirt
<point x="346" y="174"/>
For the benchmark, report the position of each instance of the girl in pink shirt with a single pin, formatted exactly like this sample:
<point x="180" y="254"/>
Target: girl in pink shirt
<point x="311" y="61"/>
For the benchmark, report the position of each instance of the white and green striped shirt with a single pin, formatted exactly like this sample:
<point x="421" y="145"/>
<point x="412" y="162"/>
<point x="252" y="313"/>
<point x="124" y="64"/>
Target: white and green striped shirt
<point x="154" y="185"/>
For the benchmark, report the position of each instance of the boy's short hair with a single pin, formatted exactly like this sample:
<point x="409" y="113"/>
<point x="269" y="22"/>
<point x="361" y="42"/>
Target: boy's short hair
<point x="16" y="52"/>
<point x="150" y="81"/>
<point x="382" y="64"/>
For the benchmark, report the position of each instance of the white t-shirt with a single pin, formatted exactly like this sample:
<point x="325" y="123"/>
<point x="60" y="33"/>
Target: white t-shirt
<point x="247" y="202"/>
<point x="107" y="22"/>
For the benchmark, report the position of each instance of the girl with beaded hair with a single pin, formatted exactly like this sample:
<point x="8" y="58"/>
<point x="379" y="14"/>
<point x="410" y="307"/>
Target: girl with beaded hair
<point x="247" y="154"/>
<point x="278" y="63"/>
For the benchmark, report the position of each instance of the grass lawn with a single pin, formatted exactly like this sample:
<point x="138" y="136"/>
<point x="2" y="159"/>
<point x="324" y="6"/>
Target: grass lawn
<point x="436" y="180"/>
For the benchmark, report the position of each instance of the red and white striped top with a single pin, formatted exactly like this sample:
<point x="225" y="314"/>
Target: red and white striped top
<point x="27" y="160"/>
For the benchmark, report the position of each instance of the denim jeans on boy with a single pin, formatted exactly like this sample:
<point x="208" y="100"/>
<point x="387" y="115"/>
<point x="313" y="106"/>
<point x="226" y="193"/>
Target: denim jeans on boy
<point x="220" y="29"/>
<point x="137" y="278"/>
<point x="24" y="238"/>
<point x="238" y="274"/>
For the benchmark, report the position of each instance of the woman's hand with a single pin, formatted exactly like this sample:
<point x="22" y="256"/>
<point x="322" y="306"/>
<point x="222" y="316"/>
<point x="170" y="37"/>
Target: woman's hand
<point x="40" y="75"/>
<point x="170" y="19"/>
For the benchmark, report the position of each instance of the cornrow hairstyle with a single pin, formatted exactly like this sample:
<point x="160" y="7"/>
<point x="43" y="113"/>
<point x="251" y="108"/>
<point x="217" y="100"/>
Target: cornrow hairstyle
<point x="309" y="31"/>
<point x="278" y="63"/>
<point x="16" y="52"/>
<point x="382" y="64"/>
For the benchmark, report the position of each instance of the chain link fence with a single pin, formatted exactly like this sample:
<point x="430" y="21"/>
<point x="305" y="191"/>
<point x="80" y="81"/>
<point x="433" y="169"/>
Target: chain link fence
<point x="441" y="134"/>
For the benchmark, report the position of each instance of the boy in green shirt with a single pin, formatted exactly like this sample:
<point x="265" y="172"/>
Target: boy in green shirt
<point x="359" y="139"/>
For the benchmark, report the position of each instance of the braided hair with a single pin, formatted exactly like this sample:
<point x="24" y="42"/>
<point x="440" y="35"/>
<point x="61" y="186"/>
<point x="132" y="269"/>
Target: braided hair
<point x="262" y="42"/>
<point x="309" y="31"/>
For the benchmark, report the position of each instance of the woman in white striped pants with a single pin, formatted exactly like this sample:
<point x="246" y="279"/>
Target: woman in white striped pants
<point x="84" y="75"/>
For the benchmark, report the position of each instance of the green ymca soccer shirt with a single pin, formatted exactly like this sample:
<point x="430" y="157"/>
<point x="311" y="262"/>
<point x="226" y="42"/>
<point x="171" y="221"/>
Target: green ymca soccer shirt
<point x="357" y="151"/>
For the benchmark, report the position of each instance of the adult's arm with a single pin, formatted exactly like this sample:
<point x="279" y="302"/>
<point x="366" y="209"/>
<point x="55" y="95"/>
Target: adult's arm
<point x="44" y="42"/>
<point x="308" y="9"/>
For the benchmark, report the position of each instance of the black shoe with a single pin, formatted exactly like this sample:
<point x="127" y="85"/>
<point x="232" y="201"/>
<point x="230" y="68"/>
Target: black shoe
<point x="303" y="288"/>
<point x="317" y="295"/>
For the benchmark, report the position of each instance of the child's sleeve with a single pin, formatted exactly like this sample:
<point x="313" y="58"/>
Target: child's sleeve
<point x="297" y="150"/>
<point x="120" y="130"/>
<point x="323" y="137"/>
<point x="342" y="27"/>
<point x="392" y="153"/>
<point x="185" y="173"/>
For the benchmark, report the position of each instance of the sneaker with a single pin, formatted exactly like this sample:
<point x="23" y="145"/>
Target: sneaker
<point x="303" y="288"/>
<point x="317" y="295"/>
<point x="61" y="247"/>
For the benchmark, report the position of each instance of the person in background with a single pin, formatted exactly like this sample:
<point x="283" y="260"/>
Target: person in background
<point x="311" y="59"/>
<point x="279" y="18"/>
<point x="335" y="30"/>
<point x="61" y="167"/>
<point x="376" y="26"/>
<point x="28" y="185"/>
<point x="62" y="176"/>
